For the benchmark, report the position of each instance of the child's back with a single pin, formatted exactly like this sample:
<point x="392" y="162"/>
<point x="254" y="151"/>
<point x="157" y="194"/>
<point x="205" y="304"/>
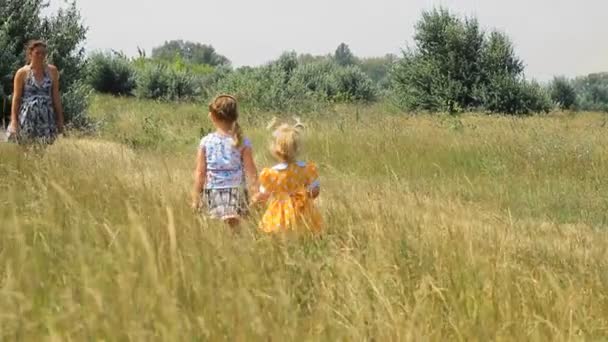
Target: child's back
<point x="224" y="161"/>
<point x="289" y="186"/>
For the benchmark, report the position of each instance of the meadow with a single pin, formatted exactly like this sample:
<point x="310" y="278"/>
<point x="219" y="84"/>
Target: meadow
<point x="470" y="227"/>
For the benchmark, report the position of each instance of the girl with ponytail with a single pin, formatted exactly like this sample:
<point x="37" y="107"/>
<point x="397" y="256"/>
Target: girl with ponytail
<point x="224" y="166"/>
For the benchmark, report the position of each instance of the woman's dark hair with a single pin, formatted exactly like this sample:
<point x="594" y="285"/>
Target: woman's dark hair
<point x="30" y="46"/>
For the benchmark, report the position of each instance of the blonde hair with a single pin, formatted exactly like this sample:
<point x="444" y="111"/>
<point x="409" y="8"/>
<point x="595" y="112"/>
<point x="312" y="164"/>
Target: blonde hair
<point x="31" y="45"/>
<point x="286" y="142"/>
<point x="224" y="108"/>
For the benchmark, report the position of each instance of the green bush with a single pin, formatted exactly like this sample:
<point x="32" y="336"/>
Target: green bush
<point x="288" y="84"/>
<point x="111" y="73"/>
<point x="315" y="79"/>
<point x="161" y="82"/>
<point x="378" y="69"/>
<point x="513" y="96"/>
<point x="75" y="104"/>
<point x="191" y="52"/>
<point x="456" y="66"/>
<point x="563" y="93"/>
<point x="352" y="84"/>
<point x="592" y="92"/>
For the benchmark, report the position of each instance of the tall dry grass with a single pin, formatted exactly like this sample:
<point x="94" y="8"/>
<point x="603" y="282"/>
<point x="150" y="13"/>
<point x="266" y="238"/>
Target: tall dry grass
<point x="472" y="228"/>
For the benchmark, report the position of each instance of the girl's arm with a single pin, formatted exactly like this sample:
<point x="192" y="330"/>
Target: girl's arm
<point x="57" y="98"/>
<point x="200" y="174"/>
<point x="314" y="192"/>
<point x="251" y="171"/>
<point x="314" y="185"/>
<point x="16" y="100"/>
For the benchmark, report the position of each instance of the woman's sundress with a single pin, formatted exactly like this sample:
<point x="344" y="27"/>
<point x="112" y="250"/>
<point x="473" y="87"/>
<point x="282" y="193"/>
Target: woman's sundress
<point x="36" y="114"/>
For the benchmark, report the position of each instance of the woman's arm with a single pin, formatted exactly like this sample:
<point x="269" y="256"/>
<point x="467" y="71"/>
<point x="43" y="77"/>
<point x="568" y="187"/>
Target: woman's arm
<point x="16" y="100"/>
<point x="57" y="98"/>
<point x="251" y="171"/>
<point x="200" y="175"/>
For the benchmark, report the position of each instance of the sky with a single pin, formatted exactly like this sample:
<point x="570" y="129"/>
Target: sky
<point x="553" y="37"/>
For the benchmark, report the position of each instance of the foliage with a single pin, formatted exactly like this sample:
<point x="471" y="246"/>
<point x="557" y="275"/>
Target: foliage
<point x="457" y="66"/>
<point x="352" y="84"/>
<point x="563" y="93"/>
<point x="289" y="84"/>
<point x="191" y="52"/>
<point x="161" y="82"/>
<point x="378" y="69"/>
<point x="592" y="91"/>
<point x="111" y="73"/>
<point x="343" y="56"/>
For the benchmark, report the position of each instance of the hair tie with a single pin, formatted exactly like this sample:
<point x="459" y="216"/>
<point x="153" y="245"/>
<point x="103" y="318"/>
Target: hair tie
<point x="272" y="124"/>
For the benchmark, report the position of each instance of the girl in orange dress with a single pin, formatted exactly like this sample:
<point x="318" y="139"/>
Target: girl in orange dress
<point x="290" y="187"/>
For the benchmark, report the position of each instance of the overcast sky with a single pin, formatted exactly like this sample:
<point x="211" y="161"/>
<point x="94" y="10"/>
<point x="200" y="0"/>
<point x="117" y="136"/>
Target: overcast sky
<point x="554" y="37"/>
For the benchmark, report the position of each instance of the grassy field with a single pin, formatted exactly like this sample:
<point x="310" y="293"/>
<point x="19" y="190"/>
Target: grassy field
<point x="438" y="228"/>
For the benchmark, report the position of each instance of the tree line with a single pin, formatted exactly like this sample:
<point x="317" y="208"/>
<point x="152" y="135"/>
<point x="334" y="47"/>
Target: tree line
<point x="454" y="65"/>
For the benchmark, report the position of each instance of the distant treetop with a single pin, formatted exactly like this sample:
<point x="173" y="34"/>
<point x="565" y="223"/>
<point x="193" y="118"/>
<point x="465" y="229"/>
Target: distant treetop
<point x="192" y="52"/>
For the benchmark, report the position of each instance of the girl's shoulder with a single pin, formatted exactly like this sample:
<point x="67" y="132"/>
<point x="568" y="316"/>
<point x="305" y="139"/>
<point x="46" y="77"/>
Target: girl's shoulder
<point x="298" y="165"/>
<point x="215" y="138"/>
<point x="207" y="139"/>
<point x="274" y="170"/>
<point x="268" y="176"/>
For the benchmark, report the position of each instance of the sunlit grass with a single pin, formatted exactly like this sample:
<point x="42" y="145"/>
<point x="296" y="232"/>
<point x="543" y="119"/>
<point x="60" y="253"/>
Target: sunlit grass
<point x="440" y="228"/>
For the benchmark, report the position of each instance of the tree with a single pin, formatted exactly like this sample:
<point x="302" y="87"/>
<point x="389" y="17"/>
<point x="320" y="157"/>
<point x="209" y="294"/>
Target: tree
<point x="343" y="56"/>
<point x="456" y="66"/>
<point x="20" y="21"/>
<point x="352" y="84"/>
<point x="378" y="68"/>
<point x="191" y="52"/>
<point x="592" y="92"/>
<point x="563" y="93"/>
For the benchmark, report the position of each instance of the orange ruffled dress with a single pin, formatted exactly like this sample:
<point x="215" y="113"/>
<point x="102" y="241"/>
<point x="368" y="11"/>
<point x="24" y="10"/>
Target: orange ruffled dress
<point x="289" y="205"/>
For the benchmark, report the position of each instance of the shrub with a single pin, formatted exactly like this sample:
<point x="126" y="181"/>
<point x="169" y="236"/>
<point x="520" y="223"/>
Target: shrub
<point x="161" y="82"/>
<point x="75" y="103"/>
<point x="563" y="93"/>
<point x="315" y="79"/>
<point x="378" y="69"/>
<point x="592" y="92"/>
<point x="456" y="66"/>
<point x="352" y="84"/>
<point x="513" y="96"/>
<point x="194" y="53"/>
<point x="111" y="73"/>
<point x="290" y="85"/>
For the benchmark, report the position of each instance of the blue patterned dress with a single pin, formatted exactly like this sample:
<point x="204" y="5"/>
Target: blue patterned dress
<point x="36" y="114"/>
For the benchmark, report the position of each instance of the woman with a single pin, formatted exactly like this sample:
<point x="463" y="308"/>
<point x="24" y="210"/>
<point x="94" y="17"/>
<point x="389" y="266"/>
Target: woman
<point x="36" y="113"/>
